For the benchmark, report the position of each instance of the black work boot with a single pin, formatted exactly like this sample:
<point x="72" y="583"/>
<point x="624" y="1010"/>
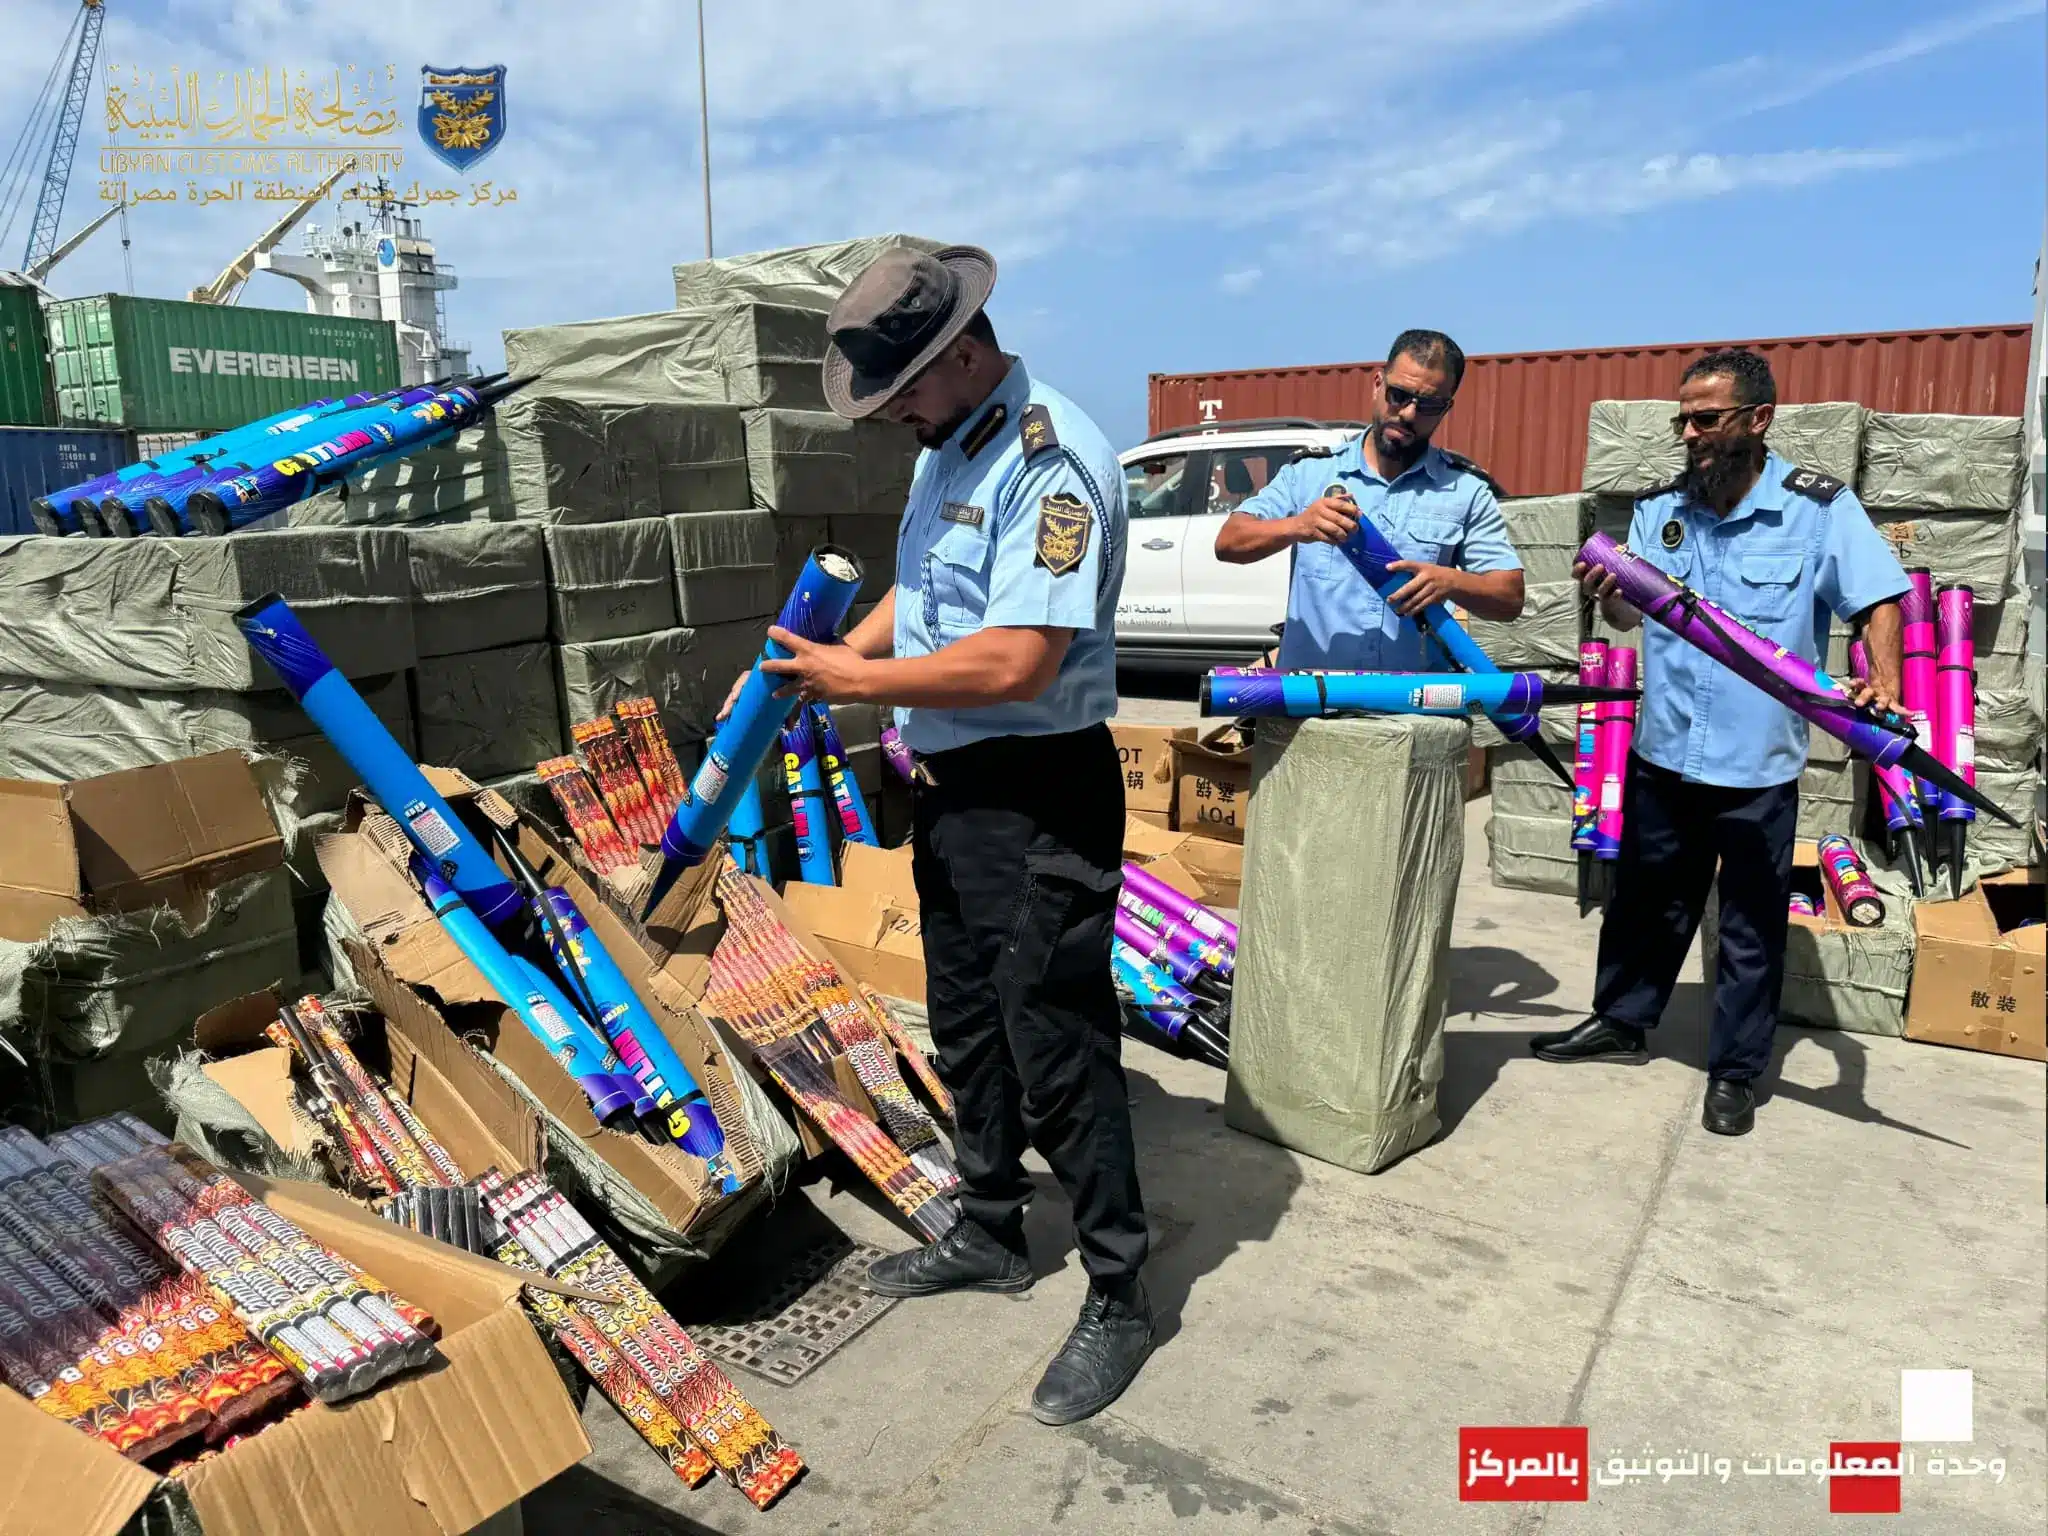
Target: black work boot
<point x="1730" y="1108"/>
<point x="968" y="1258"/>
<point x="1597" y="1039"/>
<point x="1100" y="1358"/>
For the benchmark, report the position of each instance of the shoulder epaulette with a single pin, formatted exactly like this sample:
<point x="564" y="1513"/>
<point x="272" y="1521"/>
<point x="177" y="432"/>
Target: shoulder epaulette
<point x="1311" y="451"/>
<point x="978" y="436"/>
<point x="1811" y="482"/>
<point x="1459" y="461"/>
<point x="1034" y="430"/>
<point x="1666" y="489"/>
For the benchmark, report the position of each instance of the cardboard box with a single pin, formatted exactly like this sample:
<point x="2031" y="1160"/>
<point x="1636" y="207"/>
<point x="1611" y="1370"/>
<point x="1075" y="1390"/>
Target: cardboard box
<point x="1206" y="868"/>
<point x="1163" y="820"/>
<point x="869" y="921"/>
<point x="1145" y="759"/>
<point x="1213" y="784"/>
<point x="166" y="833"/>
<point x="257" y="1075"/>
<point x="429" y="1453"/>
<point x="432" y="994"/>
<point x="1978" y="978"/>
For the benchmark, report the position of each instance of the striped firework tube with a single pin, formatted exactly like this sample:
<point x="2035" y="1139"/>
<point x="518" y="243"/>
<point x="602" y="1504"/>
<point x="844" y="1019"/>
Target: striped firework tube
<point x="806" y="801"/>
<point x="854" y="822"/>
<point x="584" y="809"/>
<point x="1850" y="882"/>
<point x="1917" y="674"/>
<point x="1155" y="892"/>
<point x="667" y="788"/>
<point x="1585" y="766"/>
<point x="611" y="764"/>
<point x="1613" y="736"/>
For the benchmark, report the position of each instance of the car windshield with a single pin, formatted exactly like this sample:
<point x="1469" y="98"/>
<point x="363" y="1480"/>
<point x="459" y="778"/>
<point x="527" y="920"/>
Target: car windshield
<point x="1152" y="486"/>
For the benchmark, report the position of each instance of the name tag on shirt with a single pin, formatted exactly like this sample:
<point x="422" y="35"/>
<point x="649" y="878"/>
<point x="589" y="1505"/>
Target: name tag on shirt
<point x="962" y="513"/>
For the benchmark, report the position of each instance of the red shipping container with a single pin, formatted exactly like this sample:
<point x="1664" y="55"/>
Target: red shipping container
<point x="1522" y="415"/>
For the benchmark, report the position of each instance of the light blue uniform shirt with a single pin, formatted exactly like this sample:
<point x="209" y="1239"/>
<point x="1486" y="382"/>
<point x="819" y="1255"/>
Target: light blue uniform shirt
<point x="1779" y="562"/>
<point x="1027" y="529"/>
<point x="1435" y="511"/>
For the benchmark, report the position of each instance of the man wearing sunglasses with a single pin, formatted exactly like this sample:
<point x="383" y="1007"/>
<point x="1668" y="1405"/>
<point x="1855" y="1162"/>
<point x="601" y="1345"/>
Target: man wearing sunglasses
<point x="1713" y="781"/>
<point x="1438" y="509"/>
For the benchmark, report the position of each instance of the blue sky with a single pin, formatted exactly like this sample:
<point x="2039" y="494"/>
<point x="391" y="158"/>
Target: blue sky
<point x="1199" y="184"/>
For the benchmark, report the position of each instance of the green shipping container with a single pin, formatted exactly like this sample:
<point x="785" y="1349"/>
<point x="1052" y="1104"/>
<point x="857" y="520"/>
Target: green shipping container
<point x="162" y="365"/>
<point x="24" y="368"/>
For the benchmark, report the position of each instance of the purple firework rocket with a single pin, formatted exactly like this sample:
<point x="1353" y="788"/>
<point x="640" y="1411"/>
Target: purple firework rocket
<point x="1792" y="680"/>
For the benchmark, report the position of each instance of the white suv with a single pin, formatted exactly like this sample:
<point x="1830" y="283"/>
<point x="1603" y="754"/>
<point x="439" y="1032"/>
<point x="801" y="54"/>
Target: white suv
<point x="1181" y="606"/>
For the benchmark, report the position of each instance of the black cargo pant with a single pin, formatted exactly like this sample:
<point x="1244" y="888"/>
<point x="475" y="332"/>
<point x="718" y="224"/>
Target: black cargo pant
<point x="1673" y="835"/>
<point x="1018" y="855"/>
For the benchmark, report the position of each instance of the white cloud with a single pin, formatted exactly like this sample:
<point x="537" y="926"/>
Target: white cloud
<point x="1077" y="125"/>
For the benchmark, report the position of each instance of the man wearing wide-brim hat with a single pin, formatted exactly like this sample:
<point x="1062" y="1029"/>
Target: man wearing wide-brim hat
<point x="997" y="646"/>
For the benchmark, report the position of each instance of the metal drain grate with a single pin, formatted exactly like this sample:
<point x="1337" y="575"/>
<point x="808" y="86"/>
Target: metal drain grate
<point x="805" y="1317"/>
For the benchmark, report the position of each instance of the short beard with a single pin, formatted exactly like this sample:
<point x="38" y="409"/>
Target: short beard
<point x="1712" y="483"/>
<point x="1392" y="458"/>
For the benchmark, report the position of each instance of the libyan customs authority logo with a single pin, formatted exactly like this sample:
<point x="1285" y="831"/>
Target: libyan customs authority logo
<point x="1063" y="525"/>
<point x="462" y="112"/>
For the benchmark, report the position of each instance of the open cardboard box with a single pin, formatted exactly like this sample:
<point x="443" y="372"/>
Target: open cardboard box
<point x="1213" y="783"/>
<point x="432" y="995"/>
<point x="868" y="922"/>
<point x="1980" y="971"/>
<point x="429" y="1453"/>
<point x="1145" y="759"/>
<point x="1206" y="868"/>
<point x="257" y="1075"/>
<point x="167" y="833"/>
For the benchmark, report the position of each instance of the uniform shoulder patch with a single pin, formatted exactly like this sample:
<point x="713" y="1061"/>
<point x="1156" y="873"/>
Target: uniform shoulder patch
<point x="1311" y="451"/>
<point x="1063" y="524"/>
<point x="1811" y="482"/>
<point x="1459" y="461"/>
<point x="1034" y="430"/>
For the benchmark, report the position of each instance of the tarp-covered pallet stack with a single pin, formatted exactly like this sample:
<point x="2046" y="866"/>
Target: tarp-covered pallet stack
<point x="1946" y="491"/>
<point x="116" y="655"/>
<point x="666" y="594"/>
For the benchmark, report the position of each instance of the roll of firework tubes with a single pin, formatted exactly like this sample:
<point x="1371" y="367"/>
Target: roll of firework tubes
<point x="1803" y="905"/>
<point x="1613" y="736"/>
<point x="1917" y="674"/>
<point x="1309" y="695"/>
<point x="807" y="801"/>
<point x="1213" y="955"/>
<point x="816" y="607"/>
<point x="616" y="1099"/>
<point x="1897" y="798"/>
<point x="459" y="859"/>
<point x="1795" y="682"/>
<point x="1585" y="771"/>
<point x="1171" y="1009"/>
<point x="687" y="1115"/>
<point x="1370" y="553"/>
<point x="1850" y="881"/>
<point x="233" y="498"/>
<point x="58" y="511"/>
<point x="1955" y="717"/>
<point x="855" y="824"/>
<point x="162" y="503"/>
<point x="1149" y="888"/>
<point x="1183" y="967"/>
<point x="896" y="752"/>
<point x="747" y="833"/>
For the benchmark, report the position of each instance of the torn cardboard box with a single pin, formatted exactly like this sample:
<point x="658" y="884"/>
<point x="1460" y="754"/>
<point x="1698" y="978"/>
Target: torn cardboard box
<point x="1213" y="783"/>
<point x="168" y="833"/>
<point x="431" y="1453"/>
<point x="869" y="922"/>
<point x="1978" y="977"/>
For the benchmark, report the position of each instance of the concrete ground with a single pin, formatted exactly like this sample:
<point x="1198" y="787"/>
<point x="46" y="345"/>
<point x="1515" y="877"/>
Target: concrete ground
<point x="1573" y="1249"/>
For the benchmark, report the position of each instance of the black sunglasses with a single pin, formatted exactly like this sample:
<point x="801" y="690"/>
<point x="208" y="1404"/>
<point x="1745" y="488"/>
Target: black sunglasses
<point x="1706" y="421"/>
<point x="1425" y="405"/>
